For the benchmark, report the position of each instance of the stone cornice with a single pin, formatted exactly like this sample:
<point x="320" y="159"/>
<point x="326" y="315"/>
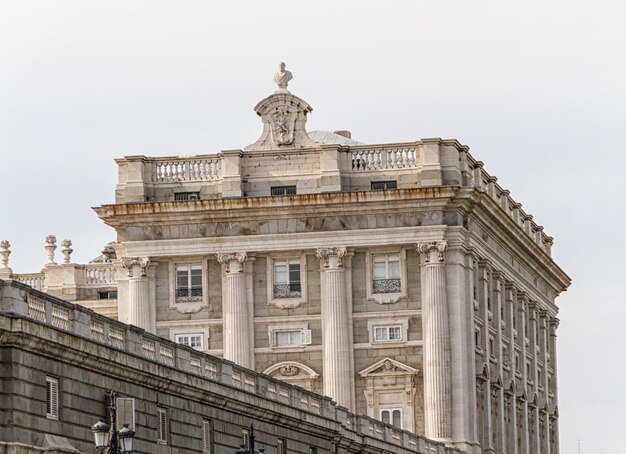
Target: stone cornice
<point x="247" y="208"/>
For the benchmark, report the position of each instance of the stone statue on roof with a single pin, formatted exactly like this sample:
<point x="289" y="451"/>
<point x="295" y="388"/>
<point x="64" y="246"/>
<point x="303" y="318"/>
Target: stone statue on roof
<point x="282" y="76"/>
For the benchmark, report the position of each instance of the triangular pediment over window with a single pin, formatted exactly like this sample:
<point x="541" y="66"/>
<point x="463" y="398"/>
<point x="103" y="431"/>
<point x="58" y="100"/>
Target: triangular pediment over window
<point x="387" y="366"/>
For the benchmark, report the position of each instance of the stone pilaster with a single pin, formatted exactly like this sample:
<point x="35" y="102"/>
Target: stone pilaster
<point x="436" y="350"/>
<point x="140" y="311"/>
<point x="336" y="343"/>
<point x="237" y="311"/>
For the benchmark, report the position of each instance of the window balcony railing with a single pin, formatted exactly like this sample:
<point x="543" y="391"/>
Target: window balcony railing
<point x="287" y="290"/>
<point x="188" y="295"/>
<point x="386" y="286"/>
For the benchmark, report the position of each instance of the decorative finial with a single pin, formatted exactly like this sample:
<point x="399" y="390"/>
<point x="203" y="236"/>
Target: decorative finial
<point x="50" y="247"/>
<point x="5" y="251"/>
<point x="66" y="250"/>
<point x="282" y="77"/>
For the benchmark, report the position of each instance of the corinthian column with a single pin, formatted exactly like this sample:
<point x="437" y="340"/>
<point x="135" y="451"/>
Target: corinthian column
<point x="140" y="312"/>
<point x="436" y="349"/>
<point x="336" y="343"/>
<point x="236" y="311"/>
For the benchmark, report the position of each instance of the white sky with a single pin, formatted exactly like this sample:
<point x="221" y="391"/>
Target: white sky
<point x="536" y="89"/>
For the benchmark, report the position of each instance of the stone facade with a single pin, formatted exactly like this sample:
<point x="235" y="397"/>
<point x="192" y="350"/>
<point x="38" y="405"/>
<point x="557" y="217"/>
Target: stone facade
<point x="60" y="360"/>
<point x="399" y="279"/>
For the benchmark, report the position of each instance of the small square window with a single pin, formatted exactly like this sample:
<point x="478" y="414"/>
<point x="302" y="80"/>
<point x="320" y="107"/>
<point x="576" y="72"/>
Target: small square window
<point x="382" y="185"/>
<point x="52" y="398"/>
<point x="188" y="283"/>
<point x="283" y="190"/>
<point x="190" y="340"/>
<point x="182" y="196"/>
<point x="107" y="295"/>
<point x="387" y="333"/>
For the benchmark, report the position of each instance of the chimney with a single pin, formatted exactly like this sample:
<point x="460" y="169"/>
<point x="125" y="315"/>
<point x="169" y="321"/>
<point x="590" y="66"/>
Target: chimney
<point x="344" y="133"/>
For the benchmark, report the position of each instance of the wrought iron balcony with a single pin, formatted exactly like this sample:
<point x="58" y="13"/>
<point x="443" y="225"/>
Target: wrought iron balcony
<point x="287" y="290"/>
<point x="188" y="295"/>
<point x="386" y="286"/>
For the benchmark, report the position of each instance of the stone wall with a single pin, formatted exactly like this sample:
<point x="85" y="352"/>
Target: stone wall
<point x="44" y="337"/>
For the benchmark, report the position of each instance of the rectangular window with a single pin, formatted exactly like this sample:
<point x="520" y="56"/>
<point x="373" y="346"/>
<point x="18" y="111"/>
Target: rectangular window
<point x="387" y="333"/>
<point x="107" y="295"/>
<point x="190" y="340"/>
<point x="52" y="398"/>
<point x="162" y="429"/>
<point x="182" y="196"/>
<point x="382" y="185"/>
<point x="125" y="412"/>
<point x="287" y="338"/>
<point x="281" y="446"/>
<point x="207" y="436"/>
<point x="392" y="416"/>
<point x="287" y="283"/>
<point x="188" y="283"/>
<point x="386" y="273"/>
<point x="283" y="190"/>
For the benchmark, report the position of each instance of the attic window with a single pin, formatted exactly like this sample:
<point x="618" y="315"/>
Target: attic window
<point x="382" y="185"/>
<point x="182" y="196"/>
<point x="111" y="295"/>
<point x="283" y="190"/>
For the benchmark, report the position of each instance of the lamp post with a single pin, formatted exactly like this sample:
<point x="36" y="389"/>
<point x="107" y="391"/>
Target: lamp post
<point x="118" y="442"/>
<point x="250" y="449"/>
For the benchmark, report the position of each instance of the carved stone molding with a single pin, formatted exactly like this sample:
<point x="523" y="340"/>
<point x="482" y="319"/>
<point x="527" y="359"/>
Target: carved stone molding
<point x="433" y="250"/>
<point x="139" y="264"/>
<point x="332" y="257"/>
<point x="233" y="258"/>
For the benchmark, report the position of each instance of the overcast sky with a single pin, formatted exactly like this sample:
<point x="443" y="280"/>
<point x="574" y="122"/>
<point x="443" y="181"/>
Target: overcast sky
<point x="536" y="89"/>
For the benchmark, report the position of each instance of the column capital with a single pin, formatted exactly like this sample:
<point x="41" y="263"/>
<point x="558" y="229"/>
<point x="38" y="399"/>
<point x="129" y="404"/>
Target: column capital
<point x="232" y="258"/>
<point x="139" y="264"/>
<point x="434" y="250"/>
<point x="332" y="256"/>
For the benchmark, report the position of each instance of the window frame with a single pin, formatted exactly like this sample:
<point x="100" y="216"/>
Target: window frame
<point x="52" y="398"/>
<point x="401" y="323"/>
<point x="286" y="302"/>
<point x="392" y="183"/>
<point x="285" y="190"/>
<point x="190" y="336"/>
<point x="186" y="307"/>
<point x="303" y="328"/>
<point x="207" y="436"/>
<point x="391" y="410"/>
<point x="123" y="402"/>
<point x="162" y="429"/>
<point x="187" y="327"/>
<point x="391" y="297"/>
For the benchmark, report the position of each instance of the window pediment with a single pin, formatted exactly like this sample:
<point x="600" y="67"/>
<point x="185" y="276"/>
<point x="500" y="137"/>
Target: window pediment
<point x="387" y="366"/>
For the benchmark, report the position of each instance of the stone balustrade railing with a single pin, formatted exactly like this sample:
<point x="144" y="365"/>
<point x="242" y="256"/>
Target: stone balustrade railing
<point x="22" y="300"/>
<point x="98" y="274"/>
<point x="34" y="280"/>
<point x="197" y="168"/>
<point x="401" y="156"/>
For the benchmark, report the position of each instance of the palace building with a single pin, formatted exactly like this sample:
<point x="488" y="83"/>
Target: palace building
<point x="399" y="279"/>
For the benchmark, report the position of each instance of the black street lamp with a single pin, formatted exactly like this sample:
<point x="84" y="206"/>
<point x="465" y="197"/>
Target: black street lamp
<point x="250" y="449"/>
<point x="119" y="442"/>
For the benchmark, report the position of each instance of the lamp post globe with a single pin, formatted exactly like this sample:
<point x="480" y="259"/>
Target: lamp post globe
<point x="126" y="436"/>
<point x="101" y="434"/>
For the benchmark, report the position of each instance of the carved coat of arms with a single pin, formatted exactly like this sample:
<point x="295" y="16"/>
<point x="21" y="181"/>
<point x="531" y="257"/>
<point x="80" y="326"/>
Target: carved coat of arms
<point x="283" y="122"/>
